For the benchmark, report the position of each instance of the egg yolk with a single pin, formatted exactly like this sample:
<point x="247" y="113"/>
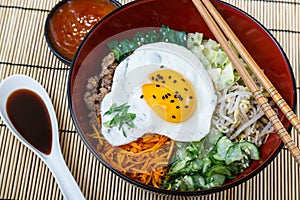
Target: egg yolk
<point x="170" y="95"/>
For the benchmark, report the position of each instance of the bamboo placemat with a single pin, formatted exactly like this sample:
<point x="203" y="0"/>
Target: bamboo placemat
<point x="23" y="50"/>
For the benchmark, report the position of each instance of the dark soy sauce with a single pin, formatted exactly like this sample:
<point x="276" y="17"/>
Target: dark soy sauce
<point x="28" y="113"/>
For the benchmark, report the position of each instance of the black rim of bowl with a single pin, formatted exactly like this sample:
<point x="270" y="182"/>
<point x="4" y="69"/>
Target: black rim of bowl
<point x="46" y="30"/>
<point x="176" y="192"/>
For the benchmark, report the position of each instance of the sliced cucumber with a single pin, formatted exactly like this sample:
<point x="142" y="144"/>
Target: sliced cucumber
<point x="215" y="180"/>
<point x="250" y="149"/>
<point x="178" y="167"/>
<point x="206" y="165"/>
<point x="222" y="146"/>
<point x="223" y="159"/>
<point x="189" y="182"/>
<point x="218" y="169"/>
<point x="197" y="165"/>
<point x="209" y="142"/>
<point x="217" y="161"/>
<point x="199" y="181"/>
<point x="234" y="153"/>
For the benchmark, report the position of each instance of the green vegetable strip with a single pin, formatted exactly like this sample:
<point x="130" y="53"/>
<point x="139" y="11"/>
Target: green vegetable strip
<point x="123" y="48"/>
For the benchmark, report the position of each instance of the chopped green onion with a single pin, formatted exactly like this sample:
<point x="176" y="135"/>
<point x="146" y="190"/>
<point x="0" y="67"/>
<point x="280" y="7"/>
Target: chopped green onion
<point x="121" y="117"/>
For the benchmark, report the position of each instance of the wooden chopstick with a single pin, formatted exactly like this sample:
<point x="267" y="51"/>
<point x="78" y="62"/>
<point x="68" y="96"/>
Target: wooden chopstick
<point x="261" y="100"/>
<point x="278" y="99"/>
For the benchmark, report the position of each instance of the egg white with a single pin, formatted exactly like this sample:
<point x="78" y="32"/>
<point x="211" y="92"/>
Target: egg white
<point x="133" y="73"/>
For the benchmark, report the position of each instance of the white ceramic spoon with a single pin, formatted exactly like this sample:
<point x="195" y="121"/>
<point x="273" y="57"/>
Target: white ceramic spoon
<point x="54" y="160"/>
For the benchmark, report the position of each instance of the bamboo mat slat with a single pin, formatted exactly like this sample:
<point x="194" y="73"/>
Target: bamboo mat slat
<point x="23" y="50"/>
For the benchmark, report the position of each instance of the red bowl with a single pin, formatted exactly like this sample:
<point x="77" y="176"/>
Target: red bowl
<point x="183" y="16"/>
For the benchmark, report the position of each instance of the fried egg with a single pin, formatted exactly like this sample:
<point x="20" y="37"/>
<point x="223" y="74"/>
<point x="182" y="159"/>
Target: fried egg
<point x="169" y="91"/>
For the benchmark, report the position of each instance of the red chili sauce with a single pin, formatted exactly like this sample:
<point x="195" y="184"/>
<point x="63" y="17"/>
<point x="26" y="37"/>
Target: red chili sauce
<point x="73" y="20"/>
<point x="29" y="115"/>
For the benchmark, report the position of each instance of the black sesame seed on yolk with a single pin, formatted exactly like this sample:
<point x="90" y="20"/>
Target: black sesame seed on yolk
<point x="170" y="95"/>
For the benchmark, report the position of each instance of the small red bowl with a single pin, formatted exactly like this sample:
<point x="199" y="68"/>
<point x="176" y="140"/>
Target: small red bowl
<point x="49" y="33"/>
<point x="183" y="16"/>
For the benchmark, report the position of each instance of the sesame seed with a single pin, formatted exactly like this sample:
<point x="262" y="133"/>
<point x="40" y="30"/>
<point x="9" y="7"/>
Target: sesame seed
<point x="163" y="97"/>
<point x="183" y="80"/>
<point x="180" y="98"/>
<point x="152" y="78"/>
<point x="157" y="85"/>
<point x="170" y="77"/>
<point x="154" y="97"/>
<point x="174" y="81"/>
<point x="177" y="107"/>
<point x="185" y="89"/>
<point x="168" y="94"/>
<point x="161" y="66"/>
<point x="172" y="101"/>
<point x="156" y="79"/>
<point x="142" y="96"/>
<point x="191" y="97"/>
<point x="173" y="116"/>
<point x="163" y="82"/>
<point x="186" y="106"/>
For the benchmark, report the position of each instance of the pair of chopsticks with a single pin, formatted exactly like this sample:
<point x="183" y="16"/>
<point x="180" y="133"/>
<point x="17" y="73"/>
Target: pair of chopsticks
<point x="219" y="27"/>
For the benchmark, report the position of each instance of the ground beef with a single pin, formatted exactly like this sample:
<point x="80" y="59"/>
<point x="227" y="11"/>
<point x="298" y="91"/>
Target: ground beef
<point x="98" y="86"/>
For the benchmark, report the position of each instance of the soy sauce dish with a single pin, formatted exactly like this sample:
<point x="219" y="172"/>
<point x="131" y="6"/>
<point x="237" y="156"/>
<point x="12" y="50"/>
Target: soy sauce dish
<point x="69" y="22"/>
<point x="158" y="102"/>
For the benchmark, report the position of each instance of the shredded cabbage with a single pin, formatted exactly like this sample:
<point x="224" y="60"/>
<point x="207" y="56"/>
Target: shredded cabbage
<point x="214" y="59"/>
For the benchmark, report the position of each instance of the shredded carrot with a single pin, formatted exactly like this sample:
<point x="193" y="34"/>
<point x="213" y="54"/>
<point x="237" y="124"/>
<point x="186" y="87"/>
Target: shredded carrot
<point x="145" y="160"/>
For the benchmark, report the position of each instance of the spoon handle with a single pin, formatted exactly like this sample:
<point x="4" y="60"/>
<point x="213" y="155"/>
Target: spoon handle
<point x="63" y="176"/>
